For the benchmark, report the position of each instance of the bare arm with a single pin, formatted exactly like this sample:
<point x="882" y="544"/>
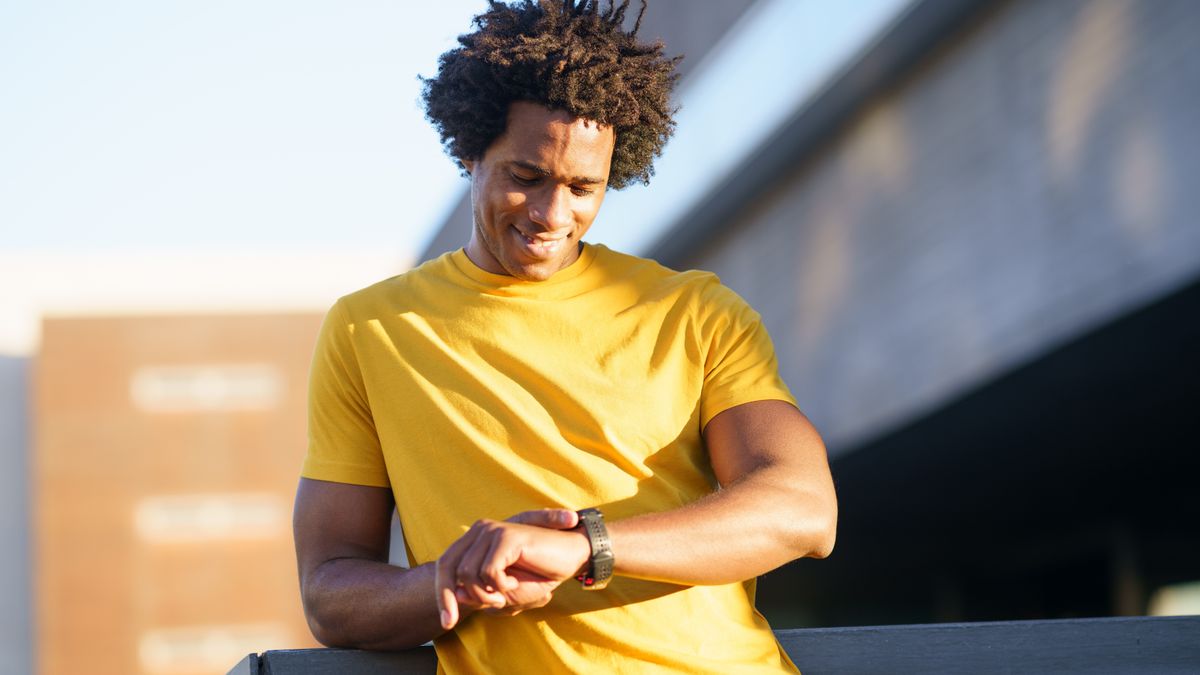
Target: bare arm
<point x="352" y="597"/>
<point x="776" y="504"/>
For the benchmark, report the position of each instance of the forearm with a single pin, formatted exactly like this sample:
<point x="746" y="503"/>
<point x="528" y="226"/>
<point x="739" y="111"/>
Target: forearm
<point x="366" y="604"/>
<point x="777" y="504"/>
<point x="737" y="533"/>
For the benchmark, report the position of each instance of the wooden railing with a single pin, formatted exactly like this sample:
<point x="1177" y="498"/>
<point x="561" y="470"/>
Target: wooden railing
<point x="1114" y="645"/>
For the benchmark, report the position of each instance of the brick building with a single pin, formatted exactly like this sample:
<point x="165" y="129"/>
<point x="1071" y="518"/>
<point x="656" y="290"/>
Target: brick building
<point x="166" y="451"/>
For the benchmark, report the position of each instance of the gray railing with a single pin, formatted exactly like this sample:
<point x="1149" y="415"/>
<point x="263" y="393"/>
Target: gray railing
<point x="1114" y="645"/>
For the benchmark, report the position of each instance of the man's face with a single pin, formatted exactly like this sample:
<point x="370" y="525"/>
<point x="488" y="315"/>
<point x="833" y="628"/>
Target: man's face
<point x="536" y="191"/>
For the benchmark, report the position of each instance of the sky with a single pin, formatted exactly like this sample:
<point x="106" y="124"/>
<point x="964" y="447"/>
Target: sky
<point x="263" y="156"/>
<point x="706" y="148"/>
<point x="138" y="124"/>
<point x="297" y="126"/>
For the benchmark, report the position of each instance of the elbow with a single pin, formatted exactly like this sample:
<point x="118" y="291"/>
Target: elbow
<point x="324" y="635"/>
<point x="321" y="635"/>
<point x="825" y="520"/>
<point x="321" y="631"/>
<point x="327" y="633"/>
<point x="326" y="617"/>
<point x="815" y="533"/>
<point x="822" y="546"/>
<point x="336" y="620"/>
<point x="826" y="535"/>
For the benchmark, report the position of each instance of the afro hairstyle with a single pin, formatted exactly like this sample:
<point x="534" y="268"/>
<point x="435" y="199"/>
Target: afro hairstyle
<point x="574" y="56"/>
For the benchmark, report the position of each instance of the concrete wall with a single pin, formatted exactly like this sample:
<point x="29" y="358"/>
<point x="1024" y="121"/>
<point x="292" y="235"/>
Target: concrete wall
<point x="1032" y="178"/>
<point x="16" y="637"/>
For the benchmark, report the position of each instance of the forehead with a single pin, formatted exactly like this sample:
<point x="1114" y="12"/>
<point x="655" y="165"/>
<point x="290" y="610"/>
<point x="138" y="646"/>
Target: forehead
<point x="554" y="139"/>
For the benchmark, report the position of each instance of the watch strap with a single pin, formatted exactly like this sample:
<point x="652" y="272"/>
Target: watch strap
<point x="600" y="565"/>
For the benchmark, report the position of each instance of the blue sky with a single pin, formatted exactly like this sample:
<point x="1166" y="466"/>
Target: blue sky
<point x="221" y="125"/>
<point x="296" y="126"/>
<point x="267" y="155"/>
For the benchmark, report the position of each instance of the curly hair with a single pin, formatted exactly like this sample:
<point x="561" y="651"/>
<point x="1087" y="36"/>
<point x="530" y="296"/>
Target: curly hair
<point x="563" y="54"/>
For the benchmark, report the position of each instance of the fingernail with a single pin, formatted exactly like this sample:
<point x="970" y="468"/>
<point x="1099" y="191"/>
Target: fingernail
<point x="445" y="618"/>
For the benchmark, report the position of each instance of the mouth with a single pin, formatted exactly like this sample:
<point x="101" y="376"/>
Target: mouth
<point x="541" y="247"/>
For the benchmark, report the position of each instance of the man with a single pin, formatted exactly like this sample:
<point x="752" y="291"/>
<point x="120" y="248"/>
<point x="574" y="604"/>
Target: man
<point x="491" y="394"/>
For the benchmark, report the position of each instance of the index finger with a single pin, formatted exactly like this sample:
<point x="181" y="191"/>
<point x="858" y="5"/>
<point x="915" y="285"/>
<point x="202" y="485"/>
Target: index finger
<point x="555" y="519"/>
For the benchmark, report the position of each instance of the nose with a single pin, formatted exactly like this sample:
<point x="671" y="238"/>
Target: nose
<point x="552" y="208"/>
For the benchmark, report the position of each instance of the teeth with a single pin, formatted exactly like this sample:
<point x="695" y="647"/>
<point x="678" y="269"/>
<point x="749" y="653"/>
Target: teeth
<point x="547" y="245"/>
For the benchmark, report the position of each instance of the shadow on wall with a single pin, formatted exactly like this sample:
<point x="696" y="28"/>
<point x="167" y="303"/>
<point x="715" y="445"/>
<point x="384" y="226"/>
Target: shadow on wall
<point x="959" y="282"/>
<point x="1011" y="193"/>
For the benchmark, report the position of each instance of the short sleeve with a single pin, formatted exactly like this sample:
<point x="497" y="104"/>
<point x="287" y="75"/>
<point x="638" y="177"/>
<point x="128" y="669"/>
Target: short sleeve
<point x="343" y="445"/>
<point x="739" y="361"/>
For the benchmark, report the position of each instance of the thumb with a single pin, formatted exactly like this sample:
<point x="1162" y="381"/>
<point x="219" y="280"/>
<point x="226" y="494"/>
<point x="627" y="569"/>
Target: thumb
<point x="555" y="519"/>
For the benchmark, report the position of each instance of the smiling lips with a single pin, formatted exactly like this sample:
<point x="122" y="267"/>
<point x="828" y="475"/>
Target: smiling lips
<point x="541" y="247"/>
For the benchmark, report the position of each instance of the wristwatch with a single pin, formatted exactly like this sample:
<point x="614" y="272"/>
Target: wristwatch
<point x="600" y="567"/>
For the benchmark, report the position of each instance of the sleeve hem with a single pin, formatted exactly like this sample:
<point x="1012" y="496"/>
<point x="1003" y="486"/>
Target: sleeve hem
<point x="335" y="472"/>
<point x="713" y="409"/>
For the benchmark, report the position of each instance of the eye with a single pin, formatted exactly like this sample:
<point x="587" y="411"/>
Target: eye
<point x="524" y="180"/>
<point x="581" y="192"/>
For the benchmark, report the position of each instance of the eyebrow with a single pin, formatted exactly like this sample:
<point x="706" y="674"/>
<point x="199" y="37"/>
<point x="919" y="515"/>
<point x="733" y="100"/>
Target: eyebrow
<point x="542" y="171"/>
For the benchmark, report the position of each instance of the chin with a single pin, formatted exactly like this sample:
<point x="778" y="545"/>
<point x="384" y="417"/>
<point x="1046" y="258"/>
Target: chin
<point x="535" y="272"/>
<point x="521" y="267"/>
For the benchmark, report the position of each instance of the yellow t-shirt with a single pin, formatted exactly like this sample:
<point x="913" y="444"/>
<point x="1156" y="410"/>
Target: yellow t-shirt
<point x="474" y="395"/>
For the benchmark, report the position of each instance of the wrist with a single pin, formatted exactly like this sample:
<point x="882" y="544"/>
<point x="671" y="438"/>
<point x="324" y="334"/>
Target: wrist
<point x="600" y="560"/>
<point x="584" y="548"/>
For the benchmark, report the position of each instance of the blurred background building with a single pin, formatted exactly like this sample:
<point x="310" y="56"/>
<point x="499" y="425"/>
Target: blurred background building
<point x="970" y="226"/>
<point x="975" y="243"/>
<point x="165" y="459"/>
<point x="151" y="447"/>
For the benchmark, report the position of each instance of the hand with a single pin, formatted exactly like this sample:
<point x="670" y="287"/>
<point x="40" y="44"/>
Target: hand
<point x="509" y="566"/>
<point x="532" y="591"/>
